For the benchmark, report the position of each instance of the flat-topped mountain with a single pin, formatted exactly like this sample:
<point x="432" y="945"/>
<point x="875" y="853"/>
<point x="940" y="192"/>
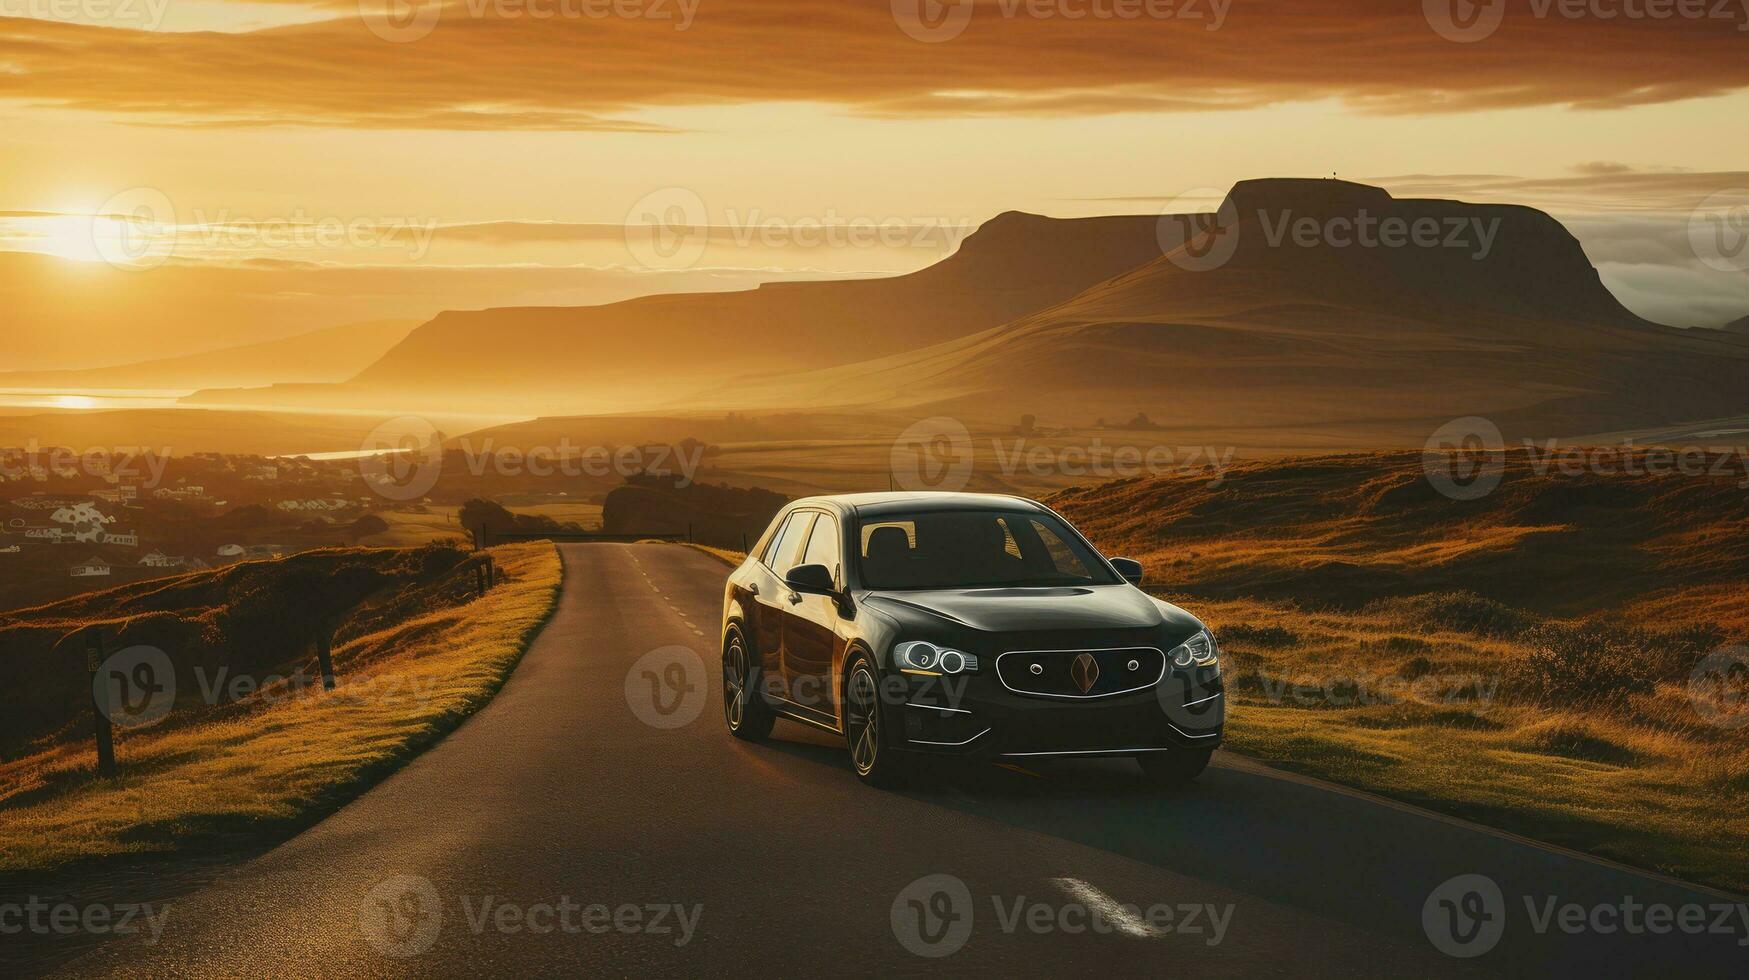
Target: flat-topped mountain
<point x="1283" y="324"/>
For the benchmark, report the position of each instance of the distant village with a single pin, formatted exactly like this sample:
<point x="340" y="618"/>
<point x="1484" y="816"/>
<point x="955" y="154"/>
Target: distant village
<point x="98" y="520"/>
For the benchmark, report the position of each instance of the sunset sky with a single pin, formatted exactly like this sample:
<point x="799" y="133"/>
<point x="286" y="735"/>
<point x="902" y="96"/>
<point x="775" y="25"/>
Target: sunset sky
<point x="490" y="153"/>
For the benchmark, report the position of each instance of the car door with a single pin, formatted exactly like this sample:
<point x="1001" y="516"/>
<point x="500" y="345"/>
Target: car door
<point x="770" y="599"/>
<point x="810" y="639"/>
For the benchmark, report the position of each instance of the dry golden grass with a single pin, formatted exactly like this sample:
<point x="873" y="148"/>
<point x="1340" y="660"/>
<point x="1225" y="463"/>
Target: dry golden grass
<point x="1432" y="716"/>
<point x="733" y="559"/>
<point x="1331" y="576"/>
<point x="272" y="764"/>
<point x="437" y="522"/>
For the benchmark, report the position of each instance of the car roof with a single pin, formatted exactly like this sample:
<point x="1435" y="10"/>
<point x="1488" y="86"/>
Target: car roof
<point x="910" y="502"/>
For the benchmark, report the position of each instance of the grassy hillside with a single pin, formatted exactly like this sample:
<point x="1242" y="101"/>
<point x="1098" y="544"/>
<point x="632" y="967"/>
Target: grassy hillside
<point x="1528" y="659"/>
<point x="414" y="656"/>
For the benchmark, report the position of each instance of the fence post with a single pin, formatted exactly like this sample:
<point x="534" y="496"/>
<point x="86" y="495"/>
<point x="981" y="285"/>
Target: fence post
<point x="100" y="703"/>
<point x="688" y="532"/>
<point x="491" y="571"/>
<point x="325" y="655"/>
<point x="743" y="542"/>
<point x="479" y="579"/>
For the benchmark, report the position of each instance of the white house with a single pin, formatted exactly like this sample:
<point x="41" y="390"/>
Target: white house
<point x="231" y="551"/>
<point x="158" y="559"/>
<point x="125" y="539"/>
<point x="82" y="512"/>
<point x="91" y="568"/>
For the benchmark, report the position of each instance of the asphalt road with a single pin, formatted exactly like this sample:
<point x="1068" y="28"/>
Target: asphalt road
<point x="560" y="831"/>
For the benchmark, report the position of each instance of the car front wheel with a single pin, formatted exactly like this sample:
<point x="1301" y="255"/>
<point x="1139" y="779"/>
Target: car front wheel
<point x="875" y="764"/>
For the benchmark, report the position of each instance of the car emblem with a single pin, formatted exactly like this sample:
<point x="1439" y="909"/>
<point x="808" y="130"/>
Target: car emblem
<point x="1084" y="671"/>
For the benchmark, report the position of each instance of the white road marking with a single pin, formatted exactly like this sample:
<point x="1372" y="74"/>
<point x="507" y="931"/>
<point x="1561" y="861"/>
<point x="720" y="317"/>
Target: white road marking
<point x="1110" y="909"/>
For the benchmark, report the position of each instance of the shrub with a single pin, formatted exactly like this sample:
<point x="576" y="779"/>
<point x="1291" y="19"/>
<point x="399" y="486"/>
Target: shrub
<point x="1464" y="611"/>
<point x="1591" y="663"/>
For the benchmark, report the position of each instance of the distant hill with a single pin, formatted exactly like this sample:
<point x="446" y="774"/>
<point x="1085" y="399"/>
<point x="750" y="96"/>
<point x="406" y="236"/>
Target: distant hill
<point x="1352" y="530"/>
<point x="331" y="354"/>
<point x="1309" y="344"/>
<point x="642" y="352"/>
<point x="1738" y="326"/>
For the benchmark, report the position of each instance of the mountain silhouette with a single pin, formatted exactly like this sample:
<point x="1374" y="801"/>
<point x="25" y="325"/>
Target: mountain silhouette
<point x="645" y="350"/>
<point x="1316" y="340"/>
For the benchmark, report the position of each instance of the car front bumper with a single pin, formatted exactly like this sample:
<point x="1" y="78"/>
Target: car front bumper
<point x="981" y="719"/>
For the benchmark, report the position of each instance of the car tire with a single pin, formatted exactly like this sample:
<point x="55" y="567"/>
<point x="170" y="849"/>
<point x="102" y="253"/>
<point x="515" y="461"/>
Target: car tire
<point x="1174" y="768"/>
<point x="745" y="711"/>
<point x="874" y="763"/>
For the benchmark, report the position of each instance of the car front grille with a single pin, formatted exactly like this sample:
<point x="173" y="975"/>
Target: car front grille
<point x="1080" y="674"/>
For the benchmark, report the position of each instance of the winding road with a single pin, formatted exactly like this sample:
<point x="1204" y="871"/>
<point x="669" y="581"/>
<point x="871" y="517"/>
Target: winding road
<point x="596" y="819"/>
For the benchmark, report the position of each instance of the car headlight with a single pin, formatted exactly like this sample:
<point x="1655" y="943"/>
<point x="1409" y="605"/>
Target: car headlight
<point x="1199" y="650"/>
<point x="923" y="655"/>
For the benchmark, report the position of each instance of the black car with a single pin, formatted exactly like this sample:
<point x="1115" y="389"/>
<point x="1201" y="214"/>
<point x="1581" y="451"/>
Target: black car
<point x="962" y="624"/>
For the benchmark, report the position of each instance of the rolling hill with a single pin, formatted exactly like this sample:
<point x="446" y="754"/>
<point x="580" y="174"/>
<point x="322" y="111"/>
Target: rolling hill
<point x="1311" y="342"/>
<point x="643" y="352"/>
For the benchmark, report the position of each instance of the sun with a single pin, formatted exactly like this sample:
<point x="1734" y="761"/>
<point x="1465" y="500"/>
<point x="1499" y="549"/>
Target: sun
<point x="73" y="236"/>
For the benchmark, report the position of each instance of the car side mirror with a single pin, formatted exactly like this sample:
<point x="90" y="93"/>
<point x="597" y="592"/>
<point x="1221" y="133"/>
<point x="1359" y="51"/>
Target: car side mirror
<point x="814" y="579"/>
<point x="1129" y="568"/>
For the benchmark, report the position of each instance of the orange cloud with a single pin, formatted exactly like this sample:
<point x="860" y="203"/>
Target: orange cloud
<point x="559" y="64"/>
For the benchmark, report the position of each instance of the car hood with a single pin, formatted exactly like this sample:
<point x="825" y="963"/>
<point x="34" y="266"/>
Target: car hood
<point x="1099" y="607"/>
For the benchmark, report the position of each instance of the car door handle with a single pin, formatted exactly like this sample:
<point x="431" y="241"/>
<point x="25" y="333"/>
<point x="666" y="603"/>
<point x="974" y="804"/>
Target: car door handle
<point x="795" y="597"/>
<point x="753" y="588"/>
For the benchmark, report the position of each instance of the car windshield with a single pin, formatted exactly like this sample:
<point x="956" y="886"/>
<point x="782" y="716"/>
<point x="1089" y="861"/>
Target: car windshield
<point x="973" y="550"/>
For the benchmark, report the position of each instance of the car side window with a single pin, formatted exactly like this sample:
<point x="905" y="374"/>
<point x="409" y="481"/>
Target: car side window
<point x="823" y="547"/>
<point x="770" y="546"/>
<point x="782" y="556"/>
